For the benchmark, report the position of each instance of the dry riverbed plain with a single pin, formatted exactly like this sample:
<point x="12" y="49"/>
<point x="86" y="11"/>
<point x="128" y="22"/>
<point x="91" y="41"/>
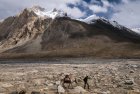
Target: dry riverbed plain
<point x="43" y="77"/>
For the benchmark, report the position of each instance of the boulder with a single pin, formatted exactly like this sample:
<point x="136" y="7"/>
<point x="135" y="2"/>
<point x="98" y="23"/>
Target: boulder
<point x="133" y="92"/>
<point x="22" y="92"/>
<point x="129" y="82"/>
<point x="50" y="77"/>
<point x="6" y="85"/>
<point x="131" y="71"/>
<point x="58" y="82"/>
<point x="38" y="81"/>
<point x="46" y="83"/>
<point x="50" y="84"/>
<point x="78" y="90"/>
<point x="61" y="89"/>
<point x="44" y="89"/>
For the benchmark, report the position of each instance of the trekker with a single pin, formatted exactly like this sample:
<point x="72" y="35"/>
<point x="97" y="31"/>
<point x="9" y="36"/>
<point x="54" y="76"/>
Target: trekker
<point x="86" y="82"/>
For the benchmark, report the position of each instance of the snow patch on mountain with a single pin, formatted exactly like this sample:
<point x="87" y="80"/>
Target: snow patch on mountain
<point x="42" y="12"/>
<point x="93" y="18"/>
<point x="90" y="19"/>
<point x="1" y="20"/>
<point x="137" y="30"/>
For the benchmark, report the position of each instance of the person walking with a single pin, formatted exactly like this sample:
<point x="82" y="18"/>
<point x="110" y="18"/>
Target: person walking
<point x="86" y="82"/>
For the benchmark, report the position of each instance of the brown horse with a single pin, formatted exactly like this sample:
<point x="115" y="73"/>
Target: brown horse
<point x="69" y="79"/>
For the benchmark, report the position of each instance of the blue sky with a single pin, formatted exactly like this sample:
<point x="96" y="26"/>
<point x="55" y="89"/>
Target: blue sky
<point x="98" y="7"/>
<point x="125" y="12"/>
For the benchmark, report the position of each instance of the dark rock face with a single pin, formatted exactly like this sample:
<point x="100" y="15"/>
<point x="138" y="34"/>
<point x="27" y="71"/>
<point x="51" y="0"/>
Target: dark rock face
<point x="4" y="30"/>
<point x="28" y="33"/>
<point x="120" y="33"/>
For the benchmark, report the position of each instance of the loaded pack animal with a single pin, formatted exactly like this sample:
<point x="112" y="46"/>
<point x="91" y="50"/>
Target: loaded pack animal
<point x="69" y="80"/>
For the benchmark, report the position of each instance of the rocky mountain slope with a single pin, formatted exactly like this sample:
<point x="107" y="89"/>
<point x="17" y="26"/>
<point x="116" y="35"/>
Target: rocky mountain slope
<point x="36" y="32"/>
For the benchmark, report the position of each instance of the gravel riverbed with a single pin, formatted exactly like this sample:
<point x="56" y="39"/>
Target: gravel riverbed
<point x="106" y="76"/>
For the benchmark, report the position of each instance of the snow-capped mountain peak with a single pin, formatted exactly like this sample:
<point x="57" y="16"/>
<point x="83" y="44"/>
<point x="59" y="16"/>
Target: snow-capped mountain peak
<point x="42" y="12"/>
<point x="93" y="18"/>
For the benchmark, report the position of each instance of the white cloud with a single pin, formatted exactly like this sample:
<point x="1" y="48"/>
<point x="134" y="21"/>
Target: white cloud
<point x="106" y="3"/>
<point x="125" y="1"/>
<point x="73" y="12"/>
<point x="98" y="9"/>
<point x="128" y="14"/>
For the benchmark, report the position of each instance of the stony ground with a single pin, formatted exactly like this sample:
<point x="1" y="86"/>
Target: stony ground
<point x="116" y="77"/>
